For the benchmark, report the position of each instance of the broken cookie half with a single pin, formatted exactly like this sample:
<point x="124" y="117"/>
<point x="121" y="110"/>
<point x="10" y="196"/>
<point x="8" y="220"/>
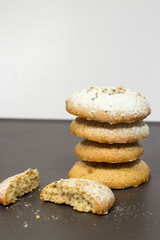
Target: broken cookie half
<point x="82" y="194"/>
<point x="18" y="185"/>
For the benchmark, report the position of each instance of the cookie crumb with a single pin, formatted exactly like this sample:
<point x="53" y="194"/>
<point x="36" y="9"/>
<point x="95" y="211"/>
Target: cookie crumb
<point x="25" y="224"/>
<point x="55" y="217"/>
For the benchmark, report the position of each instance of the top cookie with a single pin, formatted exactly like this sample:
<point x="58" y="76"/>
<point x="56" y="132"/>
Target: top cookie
<point x="108" y="104"/>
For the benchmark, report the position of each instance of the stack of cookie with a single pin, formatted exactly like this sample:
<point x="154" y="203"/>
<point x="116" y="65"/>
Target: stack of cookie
<point x="111" y="121"/>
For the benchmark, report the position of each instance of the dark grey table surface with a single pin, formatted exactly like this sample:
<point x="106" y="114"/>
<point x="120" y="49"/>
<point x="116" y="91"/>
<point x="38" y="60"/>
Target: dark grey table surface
<point x="49" y="147"/>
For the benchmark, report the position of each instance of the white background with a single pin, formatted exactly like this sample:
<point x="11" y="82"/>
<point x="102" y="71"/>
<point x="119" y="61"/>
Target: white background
<point x="50" y="49"/>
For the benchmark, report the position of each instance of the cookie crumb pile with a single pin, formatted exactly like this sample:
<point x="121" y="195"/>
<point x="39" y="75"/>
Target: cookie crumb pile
<point x="111" y="121"/>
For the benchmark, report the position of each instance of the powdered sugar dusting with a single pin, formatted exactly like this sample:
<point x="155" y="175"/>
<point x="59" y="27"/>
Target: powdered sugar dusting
<point x="136" y="128"/>
<point x="119" y="131"/>
<point x="115" y="100"/>
<point x="98" y="191"/>
<point x="3" y="186"/>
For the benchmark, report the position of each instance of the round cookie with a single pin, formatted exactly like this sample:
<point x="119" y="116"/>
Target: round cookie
<point x="112" y="153"/>
<point x="109" y="133"/>
<point x="115" y="176"/>
<point x="108" y="104"/>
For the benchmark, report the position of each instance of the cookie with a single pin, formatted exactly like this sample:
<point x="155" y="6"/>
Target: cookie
<point x="18" y="185"/>
<point x="109" y="133"/>
<point x="108" y="104"/>
<point x="102" y="152"/>
<point x="82" y="194"/>
<point x="115" y="176"/>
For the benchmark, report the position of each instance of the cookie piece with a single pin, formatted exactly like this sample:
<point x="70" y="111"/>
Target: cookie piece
<point x="18" y="185"/>
<point x="113" y="153"/>
<point x="109" y="133"/>
<point x="108" y="104"/>
<point x="82" y="194"/>
<point x="115" y="176"/>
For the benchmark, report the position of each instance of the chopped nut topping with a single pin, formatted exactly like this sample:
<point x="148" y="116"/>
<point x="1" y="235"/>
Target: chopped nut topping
<point x="96" y="96"/>
<point x="139" y="94"/>
<point x="104" y="90"/>
<point x="93" y="98"/>
<point x="90" y="89"/>
<point x="112" y="91"/>
<point x="118" y="90"/>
